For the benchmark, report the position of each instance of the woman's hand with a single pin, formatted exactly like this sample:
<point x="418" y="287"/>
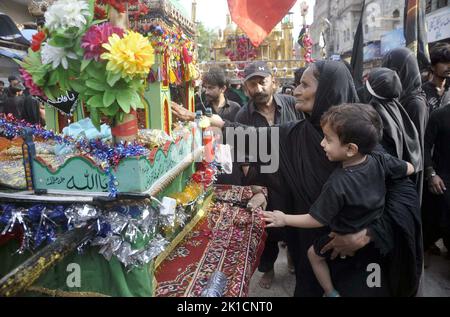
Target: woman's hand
<point x="436" y="185"/>
<point x="275" y="218"/>
<point x="258" y="200"/>
<point x="181" y="112"/>
<point x="347" y="244"/>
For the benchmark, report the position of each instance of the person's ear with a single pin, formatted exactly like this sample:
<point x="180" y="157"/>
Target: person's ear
<point x="352" y="150"/>
<point x="433" y="69"/>
<point x="246" y="90"/>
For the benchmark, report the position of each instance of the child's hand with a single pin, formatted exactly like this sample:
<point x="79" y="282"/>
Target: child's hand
<point x="275" y="218"/>
<point x="258" y="200"/>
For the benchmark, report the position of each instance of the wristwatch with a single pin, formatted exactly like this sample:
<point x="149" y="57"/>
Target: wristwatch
<point x="431" y="175"/>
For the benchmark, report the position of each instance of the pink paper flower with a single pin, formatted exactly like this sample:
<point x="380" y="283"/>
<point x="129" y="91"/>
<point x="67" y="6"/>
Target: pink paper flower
<point x="95" y="37"/>
<point x="35" y="90"/>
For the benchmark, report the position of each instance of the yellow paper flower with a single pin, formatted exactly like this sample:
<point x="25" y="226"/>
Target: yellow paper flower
<point x="132" y="55"/>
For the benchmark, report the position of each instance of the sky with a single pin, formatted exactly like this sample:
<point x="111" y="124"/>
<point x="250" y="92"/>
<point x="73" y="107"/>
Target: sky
<point x="212" y="13"/>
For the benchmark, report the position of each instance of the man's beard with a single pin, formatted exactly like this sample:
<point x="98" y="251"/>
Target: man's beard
<point x="211" y="99"/>
<point x="261" y="98"/>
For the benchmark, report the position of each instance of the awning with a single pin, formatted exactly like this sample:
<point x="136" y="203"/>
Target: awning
<point x="12" y="53"/>
<point x="9" y="31"/>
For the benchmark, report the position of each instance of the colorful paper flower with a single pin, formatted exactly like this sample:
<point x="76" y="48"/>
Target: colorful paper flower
<point x="56" y="56"/>
<point x="37" y="40"/>
<point x="132" y="55"/>
<point x="95" y="37"/>
<point x="64" y="14"/>
<point x="35" y="90"/>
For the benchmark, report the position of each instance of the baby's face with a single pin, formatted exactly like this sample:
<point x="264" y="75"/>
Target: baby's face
<point x="334" y="149"/>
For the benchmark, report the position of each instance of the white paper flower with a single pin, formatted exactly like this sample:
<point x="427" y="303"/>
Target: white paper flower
<point x="64" y="14"/>
<point x="56" y="56"/>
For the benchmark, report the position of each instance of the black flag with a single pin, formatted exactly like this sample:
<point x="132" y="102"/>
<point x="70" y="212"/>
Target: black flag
<point x="64" y="103"/>
<point x="301" y="35"/>
<point x="415" y="31"/>
<point x="358" y="51"/>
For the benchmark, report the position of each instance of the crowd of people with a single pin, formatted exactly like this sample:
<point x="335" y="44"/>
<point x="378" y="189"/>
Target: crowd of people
<point x="363" y="173"/>
<point x="345" y="205"/>
<point x="15" y="99"/>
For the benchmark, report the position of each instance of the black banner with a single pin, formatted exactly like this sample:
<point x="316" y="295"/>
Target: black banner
<point x="357" y="61"/>
<point x="64" y="103"/>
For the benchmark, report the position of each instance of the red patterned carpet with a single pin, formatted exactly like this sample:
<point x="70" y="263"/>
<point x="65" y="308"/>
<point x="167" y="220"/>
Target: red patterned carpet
<point x="230" y="239"/>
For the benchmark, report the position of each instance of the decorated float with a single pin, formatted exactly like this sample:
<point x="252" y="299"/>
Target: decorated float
<point x="94" y="202"/>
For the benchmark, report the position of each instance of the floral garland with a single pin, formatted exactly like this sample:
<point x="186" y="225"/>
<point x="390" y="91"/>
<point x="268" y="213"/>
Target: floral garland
<point x="245" y="51"/>
<point x="119" y="5"/>
<point x="179" y="50"/>
<point x="140" y="10"/>
<point x="306" y="43"/>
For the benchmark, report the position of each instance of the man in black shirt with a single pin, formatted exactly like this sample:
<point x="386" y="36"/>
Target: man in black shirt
<point x="215" y="84"/>
<point x="437" y="90"/>
<point x="266" y="108"/>
<point x="437" y="172"/>
<point x="438" y="95"/>
<point x="15" y="103"/>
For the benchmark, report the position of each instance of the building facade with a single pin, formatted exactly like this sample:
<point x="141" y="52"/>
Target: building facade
<point x="438" y="21"/>
<point x="336" y="21"/>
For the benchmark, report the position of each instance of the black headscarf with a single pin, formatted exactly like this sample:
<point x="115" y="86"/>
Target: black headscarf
<point x="335" y="87"/>
<point x="403" y="61"/>
<point x="401" y="239"/>
<point x="413" y="99"/>
<point x="400" y="136"/>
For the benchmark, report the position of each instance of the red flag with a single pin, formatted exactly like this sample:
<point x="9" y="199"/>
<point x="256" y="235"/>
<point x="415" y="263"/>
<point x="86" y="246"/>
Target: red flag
<point x="257" y="18"/>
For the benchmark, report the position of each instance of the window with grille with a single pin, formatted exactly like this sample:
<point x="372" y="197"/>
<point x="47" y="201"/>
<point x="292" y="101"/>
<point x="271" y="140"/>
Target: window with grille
<point x="442" y="3"/>
<point x="428" y="7"/>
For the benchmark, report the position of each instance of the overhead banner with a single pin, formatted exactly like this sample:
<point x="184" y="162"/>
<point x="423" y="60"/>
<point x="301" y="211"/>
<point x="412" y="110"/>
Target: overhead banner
<point x="257" y="18"/>
<point x="438" y="25"/>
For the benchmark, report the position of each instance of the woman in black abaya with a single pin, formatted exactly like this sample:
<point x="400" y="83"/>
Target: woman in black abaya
<point x="305" y="168"/>
<point x="400" y="139"/>
<point x="412" y="98"/>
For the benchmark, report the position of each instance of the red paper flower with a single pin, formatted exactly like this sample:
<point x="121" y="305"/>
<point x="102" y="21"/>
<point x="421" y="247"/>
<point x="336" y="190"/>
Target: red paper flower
<point x="119" y="5"/>
<point x="37" y="40"/>
<point x="99" y="13"/>
<point x="97" y="35"/>
<point x="35" y="90"/>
